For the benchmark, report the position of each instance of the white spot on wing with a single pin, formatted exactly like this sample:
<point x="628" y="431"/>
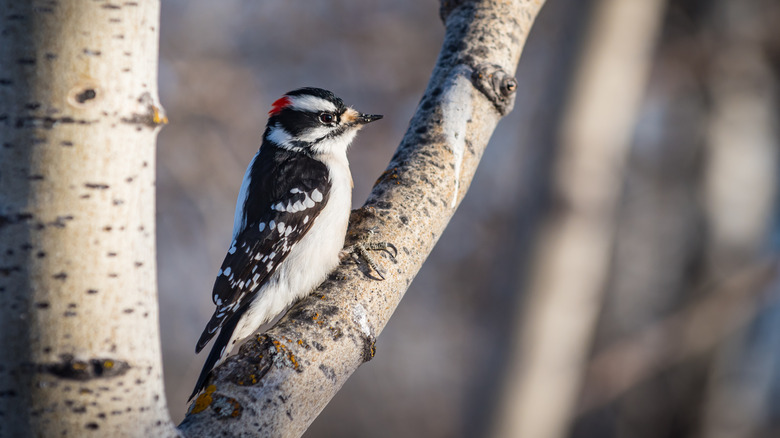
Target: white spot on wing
<point x="261" y="226"/>
<point x="308" y="202"/>
<point x="227" y="271"/>
<point x="316" y="195"/>
<point x="280" y="227"/>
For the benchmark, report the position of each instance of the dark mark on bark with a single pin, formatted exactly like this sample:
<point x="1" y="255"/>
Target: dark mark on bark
<point x="61" y="221"/>
<point x="369" y="348"/>
<point x="49" y="122"/>
<point x="328" y="372"/>
<point x="252" y="364"/>
<point x="72" y="369"/>
<point x="96" y="186"/>
<point x="86" y="95"/>
<point x="14" y="218"/>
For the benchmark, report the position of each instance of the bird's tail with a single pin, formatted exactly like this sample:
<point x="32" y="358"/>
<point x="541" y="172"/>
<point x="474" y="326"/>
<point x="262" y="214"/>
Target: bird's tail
<point x="218" y="351"/>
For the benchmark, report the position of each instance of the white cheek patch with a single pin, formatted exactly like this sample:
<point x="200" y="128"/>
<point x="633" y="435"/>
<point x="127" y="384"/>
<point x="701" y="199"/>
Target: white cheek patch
<point x="311" y="104"/>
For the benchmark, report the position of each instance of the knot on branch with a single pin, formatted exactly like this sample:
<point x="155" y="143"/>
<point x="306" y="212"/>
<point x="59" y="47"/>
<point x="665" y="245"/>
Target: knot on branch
<point x="497" y="85"/>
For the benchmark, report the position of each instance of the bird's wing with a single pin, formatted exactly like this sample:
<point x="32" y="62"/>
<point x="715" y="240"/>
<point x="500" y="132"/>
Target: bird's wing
<point x="272" y="229"/>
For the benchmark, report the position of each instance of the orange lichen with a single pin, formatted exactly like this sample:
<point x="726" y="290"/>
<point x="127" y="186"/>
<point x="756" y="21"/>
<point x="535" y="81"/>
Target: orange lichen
<point x="236" y="408"/>
<point x="282" y="349"/>
<point x="158" y="117"/>
<point x="204" y="400"/>
<point x="391" y="174"/>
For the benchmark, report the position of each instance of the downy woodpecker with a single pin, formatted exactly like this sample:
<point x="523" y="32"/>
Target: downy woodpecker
<point x="291" y="217"/>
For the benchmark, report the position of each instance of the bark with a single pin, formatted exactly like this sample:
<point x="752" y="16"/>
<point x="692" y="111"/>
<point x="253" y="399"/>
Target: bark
<point x="742" y="153"/>
<point x="79" y="338"/>
<point x="279" y="382"/>
<point x="574" y="250"/>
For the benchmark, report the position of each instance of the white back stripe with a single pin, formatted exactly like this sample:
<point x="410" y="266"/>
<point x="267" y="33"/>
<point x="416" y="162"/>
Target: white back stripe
<point x="239" y="220"/>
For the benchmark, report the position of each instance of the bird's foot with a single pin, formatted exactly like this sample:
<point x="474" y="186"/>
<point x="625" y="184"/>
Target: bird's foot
<point x="360" y="250"/>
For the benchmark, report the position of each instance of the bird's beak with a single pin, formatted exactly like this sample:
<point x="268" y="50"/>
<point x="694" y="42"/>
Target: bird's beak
<point x="368" y="118"/>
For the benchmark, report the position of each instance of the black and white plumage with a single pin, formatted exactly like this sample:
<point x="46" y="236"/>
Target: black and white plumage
<point x="291" y="217"/>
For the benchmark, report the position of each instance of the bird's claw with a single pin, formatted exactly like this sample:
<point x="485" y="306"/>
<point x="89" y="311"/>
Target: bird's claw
<point x="361" y="249"/>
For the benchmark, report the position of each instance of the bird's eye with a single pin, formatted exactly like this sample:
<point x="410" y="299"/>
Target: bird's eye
<point x="326" y="118"/>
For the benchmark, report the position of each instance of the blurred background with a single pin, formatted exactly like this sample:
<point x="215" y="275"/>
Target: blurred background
<point x="612" y="271"/>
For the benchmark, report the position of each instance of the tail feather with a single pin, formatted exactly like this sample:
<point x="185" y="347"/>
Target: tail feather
<point x="209" y="331"/>
<point x="218" y="351"/>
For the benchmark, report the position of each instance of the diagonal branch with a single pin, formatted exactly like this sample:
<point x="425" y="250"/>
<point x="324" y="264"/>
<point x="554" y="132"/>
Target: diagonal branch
<point x="279" y="383"/>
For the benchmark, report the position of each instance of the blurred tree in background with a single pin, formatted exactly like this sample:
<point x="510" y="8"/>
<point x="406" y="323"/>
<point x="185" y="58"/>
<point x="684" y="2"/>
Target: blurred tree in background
<point x="683" y="338"/>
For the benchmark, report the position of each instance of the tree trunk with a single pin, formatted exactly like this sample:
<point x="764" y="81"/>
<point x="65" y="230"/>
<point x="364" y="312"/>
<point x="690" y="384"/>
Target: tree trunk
<point x="574" y="250"/>
<point x="279" y="383"/>
<point x="79" y="341"/>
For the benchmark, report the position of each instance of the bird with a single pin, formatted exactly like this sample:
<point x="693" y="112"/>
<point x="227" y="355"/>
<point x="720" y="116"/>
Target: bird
<point x="290" y="220"/>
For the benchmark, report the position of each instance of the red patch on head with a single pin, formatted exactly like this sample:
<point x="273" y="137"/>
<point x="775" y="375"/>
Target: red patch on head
<point x="279" y="105"/>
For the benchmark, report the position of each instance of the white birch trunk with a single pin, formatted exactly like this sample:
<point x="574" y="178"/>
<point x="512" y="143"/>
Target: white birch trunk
<point x="79" y="342"/>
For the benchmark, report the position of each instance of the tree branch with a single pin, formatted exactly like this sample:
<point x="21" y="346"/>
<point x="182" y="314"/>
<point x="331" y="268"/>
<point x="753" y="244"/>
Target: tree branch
<point x="280" y="382"/>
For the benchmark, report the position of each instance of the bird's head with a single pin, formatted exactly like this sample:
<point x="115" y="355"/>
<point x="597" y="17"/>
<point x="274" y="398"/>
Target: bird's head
<point x="315" y="121"/>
